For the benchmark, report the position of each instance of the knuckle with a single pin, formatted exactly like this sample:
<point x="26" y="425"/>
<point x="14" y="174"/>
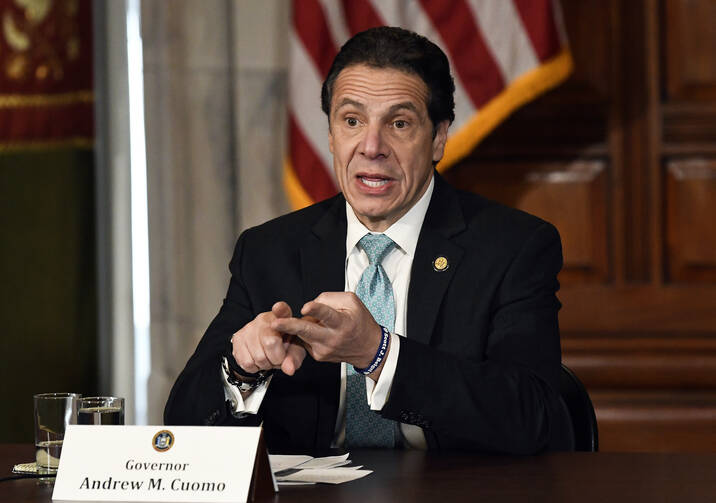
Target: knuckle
<point x="320" y="354"/>
<point x="240" y="334"/>
<point x="235" y="343"/>
<point x="275" y="357"/>
<point x="246" y="339"/>
<point x="269" y="341"/>
<point x="244" y="362"/>
<point x="306" y="329"/>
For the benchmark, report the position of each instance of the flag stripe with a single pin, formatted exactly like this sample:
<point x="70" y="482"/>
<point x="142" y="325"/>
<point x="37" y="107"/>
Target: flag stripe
<point x="559" y="24"/>
<point x="308" y="166"/>
<point x="311" y="26"/>
<point x="336" y="20"/>
<point x="305" y="101"/>
<point x="360" y="15"/>
<point x="538" y="18"/>
<point x="397" y="13"/>
<point x="473" y="62"/>
<point x="507" y="39"/>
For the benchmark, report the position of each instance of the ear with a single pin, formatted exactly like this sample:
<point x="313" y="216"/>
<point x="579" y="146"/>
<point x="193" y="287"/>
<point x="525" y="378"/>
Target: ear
<point x="330" y="138"/>
<point x="440" y="140"/>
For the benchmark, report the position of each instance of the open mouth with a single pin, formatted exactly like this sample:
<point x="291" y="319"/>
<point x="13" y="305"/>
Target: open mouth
<point x="373" y="181"/>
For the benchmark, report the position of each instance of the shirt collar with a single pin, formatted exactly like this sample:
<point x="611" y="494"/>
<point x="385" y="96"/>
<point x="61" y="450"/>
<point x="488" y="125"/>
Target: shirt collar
<point x="404" y="232"/>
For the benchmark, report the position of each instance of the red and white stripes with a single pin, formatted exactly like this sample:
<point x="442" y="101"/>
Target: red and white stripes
<point x="502" y="53"/>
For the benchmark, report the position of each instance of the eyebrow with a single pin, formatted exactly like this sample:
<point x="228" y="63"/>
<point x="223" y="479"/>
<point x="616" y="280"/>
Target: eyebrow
<point x="348" y="101"/>
<point x="407" y="105"/>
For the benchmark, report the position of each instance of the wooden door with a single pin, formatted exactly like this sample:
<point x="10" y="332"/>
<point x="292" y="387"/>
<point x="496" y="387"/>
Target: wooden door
<point x="622" y="159"/>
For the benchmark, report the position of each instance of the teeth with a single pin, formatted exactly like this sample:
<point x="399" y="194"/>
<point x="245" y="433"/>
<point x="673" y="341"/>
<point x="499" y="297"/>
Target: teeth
<point x="373" y="183"/>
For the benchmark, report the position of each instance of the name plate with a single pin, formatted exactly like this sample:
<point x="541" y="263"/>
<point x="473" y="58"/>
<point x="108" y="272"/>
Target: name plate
<point x="163" y="463"/>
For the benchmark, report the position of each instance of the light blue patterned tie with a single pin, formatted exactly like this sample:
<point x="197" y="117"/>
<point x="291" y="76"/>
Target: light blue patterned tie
<point x="364" y="427"/>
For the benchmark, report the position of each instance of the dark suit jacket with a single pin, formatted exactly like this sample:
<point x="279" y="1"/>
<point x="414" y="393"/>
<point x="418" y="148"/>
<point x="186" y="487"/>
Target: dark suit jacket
<point x="479" y="367"/>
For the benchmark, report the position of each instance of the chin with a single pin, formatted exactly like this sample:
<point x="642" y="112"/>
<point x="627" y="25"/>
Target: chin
<point x="372" y="214"/>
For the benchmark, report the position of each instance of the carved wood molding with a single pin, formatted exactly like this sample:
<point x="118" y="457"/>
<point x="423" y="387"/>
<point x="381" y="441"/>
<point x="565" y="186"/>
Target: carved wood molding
<point x="630" y="362"/>
<point x="642" y="309"/>
<point x="656" y="421"/>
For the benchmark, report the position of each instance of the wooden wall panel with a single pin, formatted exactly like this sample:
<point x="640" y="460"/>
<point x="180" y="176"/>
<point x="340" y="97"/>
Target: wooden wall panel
<point x="690" y="212"/>
<point x="657" y="362"/>
<point x="571" y="196"/>
<point x="609" y="310"/>
<point x="689" y="128"/>
<point x="655" y="421"/>
<point x="622" y="159"/>
<point x="592" y="60"/>
<point x="689" y="43"/>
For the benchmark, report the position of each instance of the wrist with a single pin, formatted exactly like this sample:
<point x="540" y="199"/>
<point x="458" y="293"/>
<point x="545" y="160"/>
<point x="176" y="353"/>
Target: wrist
<point x="234" y="368"/>
<point x="375" y="375"/>
<point x="379" y="358"/>
<point x="242" y="378"/>
<point x="244" y="381"/>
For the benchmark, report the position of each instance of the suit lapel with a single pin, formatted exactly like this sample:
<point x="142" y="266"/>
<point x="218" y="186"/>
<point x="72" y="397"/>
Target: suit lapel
<point x="428" y="280"/>
<point x="323" y="256"/>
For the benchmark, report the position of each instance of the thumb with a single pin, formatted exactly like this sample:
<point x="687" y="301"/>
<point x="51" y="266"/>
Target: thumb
<point x="281" y="310"/>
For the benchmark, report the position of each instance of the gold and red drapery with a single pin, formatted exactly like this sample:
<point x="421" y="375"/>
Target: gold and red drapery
<point x="46" y="93"/>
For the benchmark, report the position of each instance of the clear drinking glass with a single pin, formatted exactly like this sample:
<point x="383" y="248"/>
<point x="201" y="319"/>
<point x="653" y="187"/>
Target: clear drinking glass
<point x="53" y="412"/>
<point x="101" y="410"/>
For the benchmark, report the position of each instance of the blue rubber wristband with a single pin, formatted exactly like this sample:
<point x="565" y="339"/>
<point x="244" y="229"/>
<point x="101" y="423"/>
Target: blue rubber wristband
<point x="379" y="355"/>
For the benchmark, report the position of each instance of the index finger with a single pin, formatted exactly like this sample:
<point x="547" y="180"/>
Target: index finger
<point x="336" y="300"/>
<point x="301" y="328"/>
<point x="322" y="313"/>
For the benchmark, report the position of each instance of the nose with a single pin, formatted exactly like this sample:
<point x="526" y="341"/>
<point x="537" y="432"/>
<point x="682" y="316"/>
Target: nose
<point x="373" y="145"/>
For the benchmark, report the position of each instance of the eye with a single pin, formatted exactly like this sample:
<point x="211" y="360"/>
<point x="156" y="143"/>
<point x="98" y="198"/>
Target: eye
<point x="352" y="121"/>
<point x="400" y="124"/>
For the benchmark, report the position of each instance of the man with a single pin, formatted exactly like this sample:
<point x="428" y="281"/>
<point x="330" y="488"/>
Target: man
<point x="450" y="339"/>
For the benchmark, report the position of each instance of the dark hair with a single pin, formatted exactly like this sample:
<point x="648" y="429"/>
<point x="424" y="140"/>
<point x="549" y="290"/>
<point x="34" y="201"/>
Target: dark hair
<point x="391" y="47"/>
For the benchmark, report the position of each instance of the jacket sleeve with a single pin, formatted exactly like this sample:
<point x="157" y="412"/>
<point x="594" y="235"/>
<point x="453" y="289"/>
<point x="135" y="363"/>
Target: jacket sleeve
<point x="197" y="397"/>
<point x="504" y="401"/>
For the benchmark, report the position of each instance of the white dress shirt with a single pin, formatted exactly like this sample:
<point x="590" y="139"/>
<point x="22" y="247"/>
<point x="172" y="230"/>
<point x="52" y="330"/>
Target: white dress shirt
<point x="397" y="265"/>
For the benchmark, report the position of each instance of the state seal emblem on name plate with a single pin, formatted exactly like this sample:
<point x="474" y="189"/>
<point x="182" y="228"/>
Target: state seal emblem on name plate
<point x="163" y="441"/>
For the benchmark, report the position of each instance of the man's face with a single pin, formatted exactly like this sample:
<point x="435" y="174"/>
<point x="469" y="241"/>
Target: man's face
<point x="382" y="142"/>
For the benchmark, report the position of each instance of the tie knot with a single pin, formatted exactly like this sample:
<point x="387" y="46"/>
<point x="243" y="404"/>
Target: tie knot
<point x="376" y="246"/>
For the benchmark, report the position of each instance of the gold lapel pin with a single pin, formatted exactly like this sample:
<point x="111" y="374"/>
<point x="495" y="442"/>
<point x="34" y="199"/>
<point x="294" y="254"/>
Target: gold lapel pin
<point x="440" y="264"/>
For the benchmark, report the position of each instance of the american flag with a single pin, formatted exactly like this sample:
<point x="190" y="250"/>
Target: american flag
<point x="503" y="53"/>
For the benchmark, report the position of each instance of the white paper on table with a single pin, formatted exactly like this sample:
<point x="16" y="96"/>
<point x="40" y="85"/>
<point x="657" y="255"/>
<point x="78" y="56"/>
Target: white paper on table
<point x="326" y="475"/>
<point x="327" y="462"/>
<point x="285" y="461"/>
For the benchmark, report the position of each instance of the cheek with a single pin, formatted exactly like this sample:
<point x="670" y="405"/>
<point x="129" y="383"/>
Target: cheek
<point x="344" y="150"/>
<point x="414" y="155"/>
<point x="341" y="163"/>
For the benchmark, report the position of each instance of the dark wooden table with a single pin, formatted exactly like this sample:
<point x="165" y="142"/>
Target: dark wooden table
<point x="410" y="476"/>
